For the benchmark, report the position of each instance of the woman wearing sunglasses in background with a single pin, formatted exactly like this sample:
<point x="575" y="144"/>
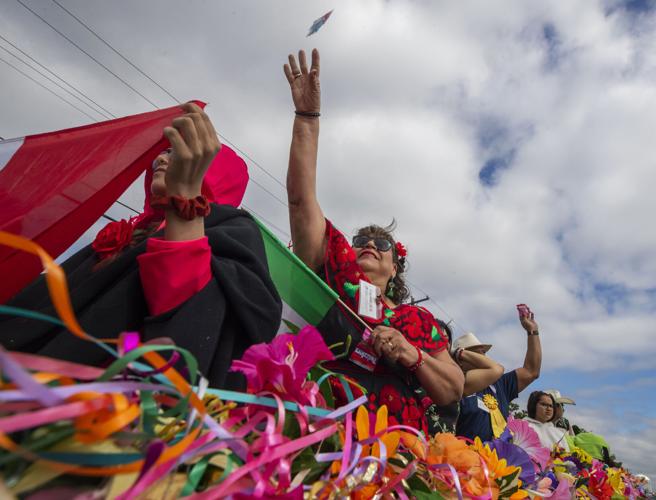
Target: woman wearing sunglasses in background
<point x="191" y="267"/>
<point x="414" y="369"/>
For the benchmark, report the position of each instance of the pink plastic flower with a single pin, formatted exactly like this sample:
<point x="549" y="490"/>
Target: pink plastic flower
<point x="527" y="439"/>
<point x="282" y="366"/>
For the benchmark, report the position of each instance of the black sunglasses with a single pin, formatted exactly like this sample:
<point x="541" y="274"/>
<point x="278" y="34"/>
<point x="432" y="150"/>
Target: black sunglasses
<point x="382" y="244"/>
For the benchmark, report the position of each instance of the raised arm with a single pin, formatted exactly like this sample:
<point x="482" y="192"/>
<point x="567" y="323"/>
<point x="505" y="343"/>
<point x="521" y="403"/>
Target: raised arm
<point x="483" y="371"/>
<point x="305" y="216"/>
<point x="530" y="371"/>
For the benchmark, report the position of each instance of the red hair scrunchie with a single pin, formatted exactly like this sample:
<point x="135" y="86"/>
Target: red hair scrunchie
<point x="186" y="208"/>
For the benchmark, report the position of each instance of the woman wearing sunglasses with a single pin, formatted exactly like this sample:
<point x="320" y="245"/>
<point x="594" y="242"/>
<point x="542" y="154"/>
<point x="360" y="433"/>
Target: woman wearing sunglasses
<point x="191" y="267"/>
<point x="414" y="369"/>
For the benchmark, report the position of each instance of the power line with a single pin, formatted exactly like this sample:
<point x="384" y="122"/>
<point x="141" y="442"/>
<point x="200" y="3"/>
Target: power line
<point x="57" y="76"/>
<point x="113" y="49"/>
<point x="49" y="90"/>
<point x="225" y="139"/>
<point x="53" y="82"/>
<point x="281" y="231"/>
<point x="127" y="206"/>
<point x="90" y="56"/>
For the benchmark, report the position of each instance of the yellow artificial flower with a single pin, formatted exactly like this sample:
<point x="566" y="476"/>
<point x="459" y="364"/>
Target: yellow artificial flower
<point x="582" y="455"/>
<point x="389" y="439"/>
<point x="497" y="467"/>
<point x="615" y="480"/>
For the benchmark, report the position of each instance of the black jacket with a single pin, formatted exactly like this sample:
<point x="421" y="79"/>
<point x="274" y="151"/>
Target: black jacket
<point x="237" y="308"/>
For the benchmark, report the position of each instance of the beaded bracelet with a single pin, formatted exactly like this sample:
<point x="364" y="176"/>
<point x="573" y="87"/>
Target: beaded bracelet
<point x="420" y="361"/>
<point x="308" y="114"/>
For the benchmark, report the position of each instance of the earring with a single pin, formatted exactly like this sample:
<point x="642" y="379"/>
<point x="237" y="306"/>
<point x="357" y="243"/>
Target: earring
<point x="390" y="289"/>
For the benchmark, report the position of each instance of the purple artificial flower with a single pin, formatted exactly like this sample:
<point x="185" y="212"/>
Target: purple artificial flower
<point x="516" y="456"/>
<point x="528" y="440"/>
<point x="282" y="366"/>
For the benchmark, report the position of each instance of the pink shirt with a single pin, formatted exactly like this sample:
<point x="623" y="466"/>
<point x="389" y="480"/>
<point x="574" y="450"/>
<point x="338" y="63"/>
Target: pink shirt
<point x="173" y="271"/>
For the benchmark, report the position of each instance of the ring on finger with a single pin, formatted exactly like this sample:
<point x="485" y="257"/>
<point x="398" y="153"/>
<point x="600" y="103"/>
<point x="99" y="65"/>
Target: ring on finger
<point x="296" y="75"/>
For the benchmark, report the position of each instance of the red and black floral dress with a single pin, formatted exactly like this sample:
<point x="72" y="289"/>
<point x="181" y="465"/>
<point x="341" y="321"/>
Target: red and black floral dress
<point x="390" y="383"/>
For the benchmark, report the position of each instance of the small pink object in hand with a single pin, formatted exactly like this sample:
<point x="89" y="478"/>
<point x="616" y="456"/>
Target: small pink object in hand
<point x="524" y="311"/>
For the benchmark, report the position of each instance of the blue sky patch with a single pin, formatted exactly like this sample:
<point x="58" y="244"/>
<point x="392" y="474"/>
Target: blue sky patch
<point x="552" y="40"/>
<point x="489" y="173"/>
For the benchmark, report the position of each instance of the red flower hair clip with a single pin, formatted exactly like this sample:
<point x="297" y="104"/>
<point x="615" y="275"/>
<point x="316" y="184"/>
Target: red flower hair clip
<point x="401" y="251"/>
<point x="113" y="238"/>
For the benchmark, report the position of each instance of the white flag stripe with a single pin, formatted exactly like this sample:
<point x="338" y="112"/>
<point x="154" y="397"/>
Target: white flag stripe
<point x="292" y="316"/>
<point x="7" y="150"/>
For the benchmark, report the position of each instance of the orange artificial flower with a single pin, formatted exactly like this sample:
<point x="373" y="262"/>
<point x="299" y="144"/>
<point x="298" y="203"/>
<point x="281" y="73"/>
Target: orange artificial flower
<point x="364" y="431"/>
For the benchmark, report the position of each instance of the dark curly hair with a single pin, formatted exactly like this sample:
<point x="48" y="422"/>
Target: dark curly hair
<point x="533" y="400"/>
<point x="399" y="289"/>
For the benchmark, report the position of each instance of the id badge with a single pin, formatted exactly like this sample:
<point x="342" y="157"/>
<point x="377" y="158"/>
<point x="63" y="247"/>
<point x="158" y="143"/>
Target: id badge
<point x="369" y="303"/>
<point x="364" y="355"/>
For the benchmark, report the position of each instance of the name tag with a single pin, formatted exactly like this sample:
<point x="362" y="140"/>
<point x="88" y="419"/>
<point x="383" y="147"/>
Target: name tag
<point x="368" y="305"/>
<point x="481" y="405"/>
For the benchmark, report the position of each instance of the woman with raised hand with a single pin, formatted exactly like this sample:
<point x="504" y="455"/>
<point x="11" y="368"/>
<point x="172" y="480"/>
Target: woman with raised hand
<point x="191" y="268"/>
<point x="414" y="369"/>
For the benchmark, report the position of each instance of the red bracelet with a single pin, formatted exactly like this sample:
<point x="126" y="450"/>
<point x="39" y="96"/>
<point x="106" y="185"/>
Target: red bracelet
<point x="420" y="361"/>
<point x="187" y="208"/>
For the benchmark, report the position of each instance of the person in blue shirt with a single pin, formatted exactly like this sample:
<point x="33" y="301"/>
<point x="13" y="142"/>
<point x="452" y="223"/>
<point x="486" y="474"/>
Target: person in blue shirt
<point x="484" y="410"/>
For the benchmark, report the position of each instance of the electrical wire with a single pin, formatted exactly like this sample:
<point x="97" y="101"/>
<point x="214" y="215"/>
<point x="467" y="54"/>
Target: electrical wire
<point x="113" y="49"/>
<point x="54" y="82"/>
<point x="49" y="90"/>
<point x="90" y="56"/>
<point x="57" y="76"/>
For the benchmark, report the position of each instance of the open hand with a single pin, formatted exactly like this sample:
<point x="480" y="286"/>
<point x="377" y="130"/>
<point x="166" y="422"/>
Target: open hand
<point x="194" y="145"/>
<point x="304" y="83"/>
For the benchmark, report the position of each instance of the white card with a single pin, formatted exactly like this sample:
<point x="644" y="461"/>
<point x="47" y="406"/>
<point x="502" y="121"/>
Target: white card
<point x="482" y="406"/>
<point x="368" y="303"/>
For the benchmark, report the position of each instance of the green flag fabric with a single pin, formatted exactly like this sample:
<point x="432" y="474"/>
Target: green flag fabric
<point x="306" y="297"/>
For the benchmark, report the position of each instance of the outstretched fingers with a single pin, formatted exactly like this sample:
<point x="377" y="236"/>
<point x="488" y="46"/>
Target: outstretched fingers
<point x="316" y="62"/>
<point x="303" y="62"/>
<point x="288" y="73"/>
<point x="293" y="65"/>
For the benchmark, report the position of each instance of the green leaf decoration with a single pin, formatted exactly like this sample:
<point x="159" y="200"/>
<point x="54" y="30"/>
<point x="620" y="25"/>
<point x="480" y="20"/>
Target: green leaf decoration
<point x="350" y="288"/>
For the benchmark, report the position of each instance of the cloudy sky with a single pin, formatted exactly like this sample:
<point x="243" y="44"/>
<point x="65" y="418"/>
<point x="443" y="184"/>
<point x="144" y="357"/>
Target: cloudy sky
<point x="512" y="141"/>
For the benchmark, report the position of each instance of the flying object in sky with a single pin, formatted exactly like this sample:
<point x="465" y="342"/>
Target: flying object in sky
<point x="316" y="25"/>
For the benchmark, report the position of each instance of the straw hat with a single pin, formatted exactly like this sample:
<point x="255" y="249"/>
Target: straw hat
<point x="560" y="399"/>
<point x="467" y="341"/>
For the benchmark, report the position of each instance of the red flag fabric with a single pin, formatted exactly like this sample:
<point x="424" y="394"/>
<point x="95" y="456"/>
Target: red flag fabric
<point x="54" y="186"/>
